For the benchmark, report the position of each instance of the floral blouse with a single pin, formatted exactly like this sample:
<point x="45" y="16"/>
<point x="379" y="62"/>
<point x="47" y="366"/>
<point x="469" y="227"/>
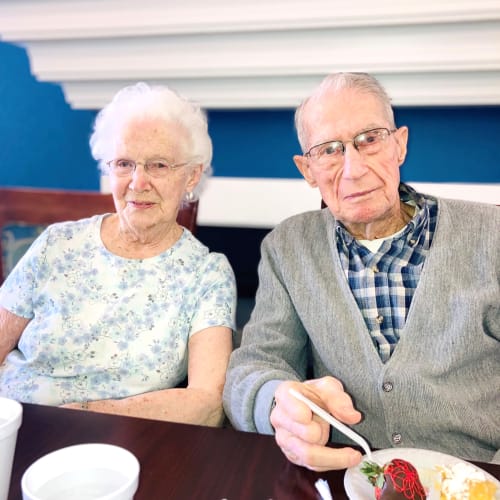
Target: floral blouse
<point x="107" y="327"/>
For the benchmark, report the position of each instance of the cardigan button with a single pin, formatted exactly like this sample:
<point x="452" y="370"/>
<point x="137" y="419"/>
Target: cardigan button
<point x="397" y="438"/>
<point x="387" y="386"/>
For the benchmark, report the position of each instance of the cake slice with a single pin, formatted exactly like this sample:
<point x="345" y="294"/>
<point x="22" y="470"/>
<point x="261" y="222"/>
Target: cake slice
<point x="463" y="481"/>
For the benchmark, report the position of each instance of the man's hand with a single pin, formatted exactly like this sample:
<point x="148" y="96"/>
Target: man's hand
<point x="302" y="435"/>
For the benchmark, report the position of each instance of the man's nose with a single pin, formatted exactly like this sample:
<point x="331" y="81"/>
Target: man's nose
<point x="354" y="166"/>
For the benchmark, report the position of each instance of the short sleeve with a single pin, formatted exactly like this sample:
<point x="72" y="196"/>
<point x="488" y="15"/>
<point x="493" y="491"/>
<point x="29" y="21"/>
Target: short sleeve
<point x="217" y="295"/>
<point x="17" y="293"/>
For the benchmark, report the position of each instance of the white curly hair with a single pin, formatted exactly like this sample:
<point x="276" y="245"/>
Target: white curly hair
<point x="158" y="102"/>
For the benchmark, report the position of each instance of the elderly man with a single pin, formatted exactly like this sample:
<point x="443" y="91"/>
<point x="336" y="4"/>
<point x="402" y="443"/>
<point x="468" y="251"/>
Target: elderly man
<point x="383" y="308"/>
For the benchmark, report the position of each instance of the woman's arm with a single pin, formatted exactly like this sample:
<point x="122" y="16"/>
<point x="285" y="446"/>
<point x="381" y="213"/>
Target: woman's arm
<point x="200" y="402"/>
<point x="11" y="328"/>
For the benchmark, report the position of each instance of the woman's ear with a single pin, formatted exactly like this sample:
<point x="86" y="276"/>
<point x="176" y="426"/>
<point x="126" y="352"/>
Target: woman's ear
<point x="302" y="163"/>
<point x="194" y="177"/>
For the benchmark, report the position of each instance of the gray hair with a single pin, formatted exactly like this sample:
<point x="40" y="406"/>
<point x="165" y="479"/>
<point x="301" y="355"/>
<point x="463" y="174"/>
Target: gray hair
<point x="144" y="101"/>
<point x="336" y="82"/>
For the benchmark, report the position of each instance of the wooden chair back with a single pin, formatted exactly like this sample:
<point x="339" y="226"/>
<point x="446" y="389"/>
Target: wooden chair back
<point x="46" y="206"/>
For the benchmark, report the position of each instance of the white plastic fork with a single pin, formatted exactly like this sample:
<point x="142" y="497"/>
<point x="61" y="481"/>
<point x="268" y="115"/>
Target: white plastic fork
<point x="344" y="429"/>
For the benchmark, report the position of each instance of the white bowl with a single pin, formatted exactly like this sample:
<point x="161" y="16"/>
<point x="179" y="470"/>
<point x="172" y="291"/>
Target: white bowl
<point x="83" y="472"/>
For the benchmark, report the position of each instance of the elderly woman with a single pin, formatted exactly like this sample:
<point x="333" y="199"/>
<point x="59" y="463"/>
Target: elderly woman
<point x="112" y="312"/>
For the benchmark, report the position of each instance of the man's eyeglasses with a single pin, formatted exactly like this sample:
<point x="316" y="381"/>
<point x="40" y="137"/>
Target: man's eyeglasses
<point x="121" y="167"/>
<point x="367" y="143"/>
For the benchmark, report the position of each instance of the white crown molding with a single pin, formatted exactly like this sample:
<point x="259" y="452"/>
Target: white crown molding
<point x="21" y="19"/>
<point x="460" y="88"/>
<point x="230" y="54"/>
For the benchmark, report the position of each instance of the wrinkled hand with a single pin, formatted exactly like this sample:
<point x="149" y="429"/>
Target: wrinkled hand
<point x="302" y="435"/>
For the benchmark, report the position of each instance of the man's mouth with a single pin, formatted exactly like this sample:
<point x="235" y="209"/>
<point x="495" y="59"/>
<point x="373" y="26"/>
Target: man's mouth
<point x="359" y="194"/>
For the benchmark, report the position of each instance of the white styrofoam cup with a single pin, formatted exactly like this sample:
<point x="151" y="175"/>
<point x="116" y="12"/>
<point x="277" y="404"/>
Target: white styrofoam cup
<point x="11" y="415"/>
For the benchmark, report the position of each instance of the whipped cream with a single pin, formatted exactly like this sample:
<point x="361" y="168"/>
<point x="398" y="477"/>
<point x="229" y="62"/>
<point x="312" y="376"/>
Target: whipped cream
<point x="456" y="479"/>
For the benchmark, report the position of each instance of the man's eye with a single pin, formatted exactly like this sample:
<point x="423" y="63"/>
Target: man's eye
<point x="331" y="149"/>
<point x="368" y="139"/>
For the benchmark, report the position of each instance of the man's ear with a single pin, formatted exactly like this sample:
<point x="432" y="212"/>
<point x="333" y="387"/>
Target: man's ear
<point x="302" y="164"/>
<point x="402" y="140"/>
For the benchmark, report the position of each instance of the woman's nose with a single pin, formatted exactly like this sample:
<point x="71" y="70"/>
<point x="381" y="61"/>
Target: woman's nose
<point x="140" y="178"/>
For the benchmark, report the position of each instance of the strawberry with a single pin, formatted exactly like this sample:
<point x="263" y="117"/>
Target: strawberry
<point x="396" y="480"/>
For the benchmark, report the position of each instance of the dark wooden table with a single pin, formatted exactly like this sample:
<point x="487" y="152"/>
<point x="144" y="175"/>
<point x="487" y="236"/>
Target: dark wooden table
<point x="178" y="461"/>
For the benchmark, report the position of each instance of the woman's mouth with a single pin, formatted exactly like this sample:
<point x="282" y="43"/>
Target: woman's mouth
<point x="140" y="204"/>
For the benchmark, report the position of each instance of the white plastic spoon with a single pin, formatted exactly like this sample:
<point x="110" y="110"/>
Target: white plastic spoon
<point x="334" y="423"/>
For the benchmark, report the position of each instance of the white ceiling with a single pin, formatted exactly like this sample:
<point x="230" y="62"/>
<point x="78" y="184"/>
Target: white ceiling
<point x="260" y="54"/>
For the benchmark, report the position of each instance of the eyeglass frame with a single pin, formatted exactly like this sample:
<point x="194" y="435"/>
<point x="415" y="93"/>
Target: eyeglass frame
<point x="352" y="141"/>
<point x="171" y="167"/>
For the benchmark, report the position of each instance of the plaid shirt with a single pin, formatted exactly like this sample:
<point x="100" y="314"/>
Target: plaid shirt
<point x="383" y="283"/>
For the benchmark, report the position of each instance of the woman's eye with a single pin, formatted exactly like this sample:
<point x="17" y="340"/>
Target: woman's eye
<point x="158" y="165"/>
<point x="124" y="164"/>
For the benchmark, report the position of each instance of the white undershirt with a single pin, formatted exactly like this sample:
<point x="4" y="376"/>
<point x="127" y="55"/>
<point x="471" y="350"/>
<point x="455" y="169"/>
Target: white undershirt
<point x="374" y="245"/>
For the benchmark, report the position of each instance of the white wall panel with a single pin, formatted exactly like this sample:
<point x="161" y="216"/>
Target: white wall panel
<point x="263" y="203"/>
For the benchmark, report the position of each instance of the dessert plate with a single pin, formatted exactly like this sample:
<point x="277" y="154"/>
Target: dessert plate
<point x="358" y="487"/>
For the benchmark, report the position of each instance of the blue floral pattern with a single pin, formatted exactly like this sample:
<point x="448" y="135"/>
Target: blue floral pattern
<point x="103" y="326"/>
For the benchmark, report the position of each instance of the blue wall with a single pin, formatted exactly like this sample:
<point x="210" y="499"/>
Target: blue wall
<point x="447" y="144"/>
<point x="44" y="143"/>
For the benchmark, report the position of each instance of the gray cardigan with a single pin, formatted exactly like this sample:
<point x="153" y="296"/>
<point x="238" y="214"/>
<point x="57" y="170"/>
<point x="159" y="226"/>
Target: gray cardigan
<point x="442" y="383"/>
